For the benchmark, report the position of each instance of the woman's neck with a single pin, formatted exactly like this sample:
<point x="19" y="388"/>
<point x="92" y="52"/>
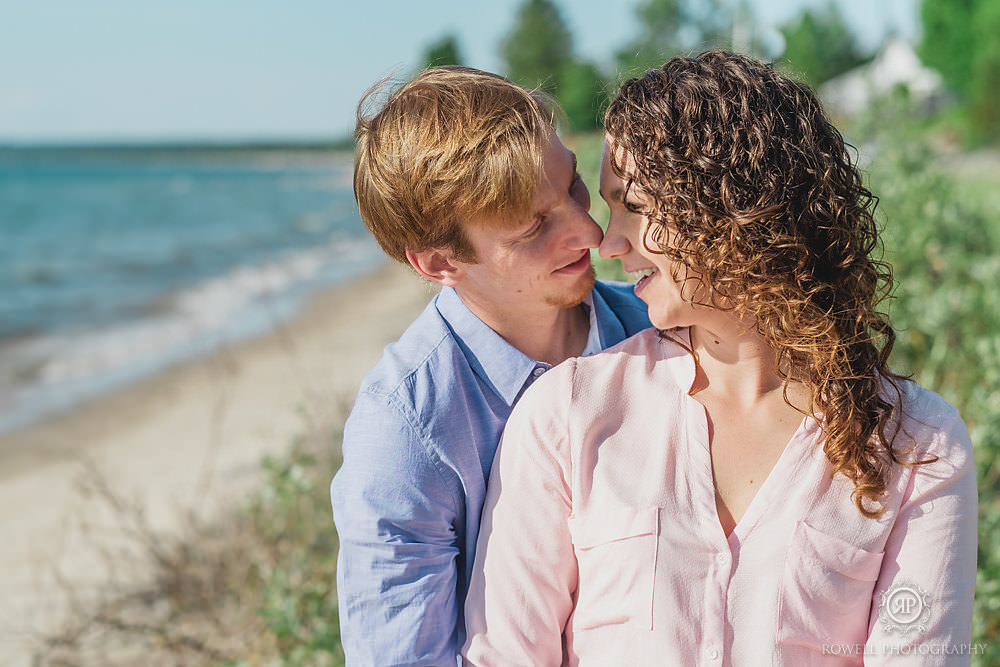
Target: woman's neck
<point x="735" y="363"/>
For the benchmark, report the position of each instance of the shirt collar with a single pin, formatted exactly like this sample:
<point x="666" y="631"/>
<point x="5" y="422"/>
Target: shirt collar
<point x="594" y="336"/>
<point x="610" y="329"/>
<point x="501" y="365"/>
<point x="498" y="363"/>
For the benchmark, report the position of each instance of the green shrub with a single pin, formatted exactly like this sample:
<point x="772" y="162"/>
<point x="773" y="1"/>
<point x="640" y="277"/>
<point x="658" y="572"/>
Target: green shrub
<point x="945" y="250"/>
<point x="298" y="597"/>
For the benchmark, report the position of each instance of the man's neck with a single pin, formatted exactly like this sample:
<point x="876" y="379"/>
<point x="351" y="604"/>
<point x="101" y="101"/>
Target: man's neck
<point x="548" y="334"/>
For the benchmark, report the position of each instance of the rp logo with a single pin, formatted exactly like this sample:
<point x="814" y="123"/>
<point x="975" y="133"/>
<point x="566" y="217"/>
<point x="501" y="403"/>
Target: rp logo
<point x="904" y="609"/>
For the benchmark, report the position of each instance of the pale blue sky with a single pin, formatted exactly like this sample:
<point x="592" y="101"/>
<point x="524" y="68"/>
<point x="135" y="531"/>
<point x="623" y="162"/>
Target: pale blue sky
<point x="122" y="70"/>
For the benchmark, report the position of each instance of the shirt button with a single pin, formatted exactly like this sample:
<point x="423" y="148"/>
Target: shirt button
<point x="538" y="372"/>
<point x="712" y="654"/>
<point x="721" y="557"/>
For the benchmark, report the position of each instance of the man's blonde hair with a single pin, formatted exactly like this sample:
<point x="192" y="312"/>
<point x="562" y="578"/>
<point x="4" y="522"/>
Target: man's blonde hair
<point x="453" y="145"/>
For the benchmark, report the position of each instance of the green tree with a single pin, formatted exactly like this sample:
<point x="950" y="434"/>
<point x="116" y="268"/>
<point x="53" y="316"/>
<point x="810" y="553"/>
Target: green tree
<point x="539" y="47"/>
<point x="669" y="27"/>
<point x="443" y="52"/>
<point x="538" y="53"/>
<point x="820" y="45"/>
<point x="658" y="39"/>
<point x="960" y="41"/>
<point x="582" y="95"/>
<point x="985" y="97"/>
<point x="948" y="44"/>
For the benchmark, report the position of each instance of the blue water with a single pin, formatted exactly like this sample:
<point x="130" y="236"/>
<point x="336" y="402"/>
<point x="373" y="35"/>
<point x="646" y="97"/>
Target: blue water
<point x="115" y="263"/>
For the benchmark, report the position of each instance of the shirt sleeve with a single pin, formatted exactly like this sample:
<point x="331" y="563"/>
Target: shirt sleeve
<point x="928" y="571"/>
<point x="525" y="573"/>
<point x="395" y="511"/>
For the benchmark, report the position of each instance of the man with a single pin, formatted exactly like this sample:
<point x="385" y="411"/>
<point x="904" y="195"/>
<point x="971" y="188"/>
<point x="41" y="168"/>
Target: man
<point x="461" y="175"/>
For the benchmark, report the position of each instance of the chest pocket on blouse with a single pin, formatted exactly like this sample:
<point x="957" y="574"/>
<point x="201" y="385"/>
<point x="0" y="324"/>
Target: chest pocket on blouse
<point x="616" y="554"/>
<point x="826" y="591"/>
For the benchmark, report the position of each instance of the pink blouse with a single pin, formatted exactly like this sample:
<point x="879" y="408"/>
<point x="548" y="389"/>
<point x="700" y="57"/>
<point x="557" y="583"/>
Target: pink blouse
<point x="600" y="543"/>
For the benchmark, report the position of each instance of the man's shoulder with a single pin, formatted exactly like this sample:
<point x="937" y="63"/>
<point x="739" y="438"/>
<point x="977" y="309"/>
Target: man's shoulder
<point x="412" y="354"/>
<point x="619" y="294"/>
<point x="397" y="414"/>
<point x="617" y="289"/>
<point x="621" y="299"/>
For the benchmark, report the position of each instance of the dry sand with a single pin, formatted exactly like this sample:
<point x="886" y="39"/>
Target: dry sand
<point x="189" y="439"/>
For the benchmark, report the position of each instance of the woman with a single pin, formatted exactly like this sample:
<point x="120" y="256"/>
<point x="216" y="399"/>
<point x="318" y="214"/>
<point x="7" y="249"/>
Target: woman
<point x="748" y="483"/>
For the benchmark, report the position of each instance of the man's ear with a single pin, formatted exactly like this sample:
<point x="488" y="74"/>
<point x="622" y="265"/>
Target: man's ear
<point x="437" y="265"/>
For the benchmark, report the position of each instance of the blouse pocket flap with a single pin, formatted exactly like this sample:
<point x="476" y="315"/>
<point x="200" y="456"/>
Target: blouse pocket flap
<point x="599" y="527"/>
<point x="839" y="555"/>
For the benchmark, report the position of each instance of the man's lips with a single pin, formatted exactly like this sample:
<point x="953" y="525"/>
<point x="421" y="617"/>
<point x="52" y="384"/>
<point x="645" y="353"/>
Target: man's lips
<point x="578" y="266"/>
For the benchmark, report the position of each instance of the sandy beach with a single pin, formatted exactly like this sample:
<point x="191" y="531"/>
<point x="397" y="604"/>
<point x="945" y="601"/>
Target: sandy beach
<point x="187" y="440"/>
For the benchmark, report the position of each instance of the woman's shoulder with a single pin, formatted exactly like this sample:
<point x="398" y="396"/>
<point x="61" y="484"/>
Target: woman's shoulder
<point x="647" y="353"/>
<point x="650" y="344"/>
<point x="930" y="426"/>
<point x="634" y="364"/>
<point x="639" y="363"/>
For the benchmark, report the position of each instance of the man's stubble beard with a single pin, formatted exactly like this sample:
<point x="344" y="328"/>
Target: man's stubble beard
<point x="576" y="296"/>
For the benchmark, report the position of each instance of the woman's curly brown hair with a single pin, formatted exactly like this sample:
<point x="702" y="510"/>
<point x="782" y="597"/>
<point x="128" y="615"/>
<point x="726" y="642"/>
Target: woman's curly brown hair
<point x="769" y="216"/>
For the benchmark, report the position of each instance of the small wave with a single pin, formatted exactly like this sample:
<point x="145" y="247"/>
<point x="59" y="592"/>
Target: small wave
<point x="53" y="372"/>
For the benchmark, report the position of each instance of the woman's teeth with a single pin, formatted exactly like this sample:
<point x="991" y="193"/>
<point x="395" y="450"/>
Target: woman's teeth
<point x="638" y="276"/>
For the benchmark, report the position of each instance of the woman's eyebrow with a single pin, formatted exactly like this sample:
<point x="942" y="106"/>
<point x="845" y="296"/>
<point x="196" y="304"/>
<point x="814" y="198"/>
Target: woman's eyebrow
<point x="617" y="195"/>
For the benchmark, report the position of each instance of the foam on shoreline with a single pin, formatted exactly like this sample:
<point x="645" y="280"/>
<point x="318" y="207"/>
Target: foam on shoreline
<point x="49" y="374"/>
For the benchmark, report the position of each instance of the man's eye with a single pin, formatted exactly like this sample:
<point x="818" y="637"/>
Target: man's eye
<point x="535" y="229"/>
<point x="632" y="207"/>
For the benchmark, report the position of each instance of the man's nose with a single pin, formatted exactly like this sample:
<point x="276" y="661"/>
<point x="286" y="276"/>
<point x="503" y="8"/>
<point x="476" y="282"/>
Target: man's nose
<point x="586" y="233"/>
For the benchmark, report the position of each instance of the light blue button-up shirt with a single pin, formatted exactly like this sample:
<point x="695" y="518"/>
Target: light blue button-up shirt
<point x="418" y="447"/>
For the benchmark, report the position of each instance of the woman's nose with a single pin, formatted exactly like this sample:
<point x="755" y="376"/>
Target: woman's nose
<point x="615" y="244"/>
